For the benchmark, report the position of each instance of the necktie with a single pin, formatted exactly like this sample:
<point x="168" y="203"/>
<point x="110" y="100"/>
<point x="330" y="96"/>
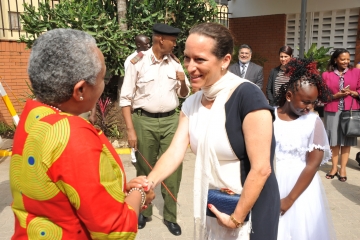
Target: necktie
<point x="242" y="74"/>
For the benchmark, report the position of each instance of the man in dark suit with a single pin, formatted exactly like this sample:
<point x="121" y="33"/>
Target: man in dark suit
<point x="246" y="69"/>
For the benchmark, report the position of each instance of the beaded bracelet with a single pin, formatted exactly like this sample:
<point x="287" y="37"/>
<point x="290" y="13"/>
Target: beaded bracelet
<point x="143" y="195"/>
<point x="236" y="222"/>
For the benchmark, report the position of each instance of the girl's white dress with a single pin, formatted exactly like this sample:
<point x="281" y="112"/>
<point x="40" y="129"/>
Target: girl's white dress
<point x="309" y="217"/>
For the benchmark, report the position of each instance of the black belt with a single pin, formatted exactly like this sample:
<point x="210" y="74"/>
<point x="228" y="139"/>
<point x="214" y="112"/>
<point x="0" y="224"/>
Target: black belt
<point x="142" y="112"/>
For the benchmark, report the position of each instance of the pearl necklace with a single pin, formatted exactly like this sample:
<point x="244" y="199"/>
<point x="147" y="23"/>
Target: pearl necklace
<point x="53" y="107"/>
<point x="48" y="105"/>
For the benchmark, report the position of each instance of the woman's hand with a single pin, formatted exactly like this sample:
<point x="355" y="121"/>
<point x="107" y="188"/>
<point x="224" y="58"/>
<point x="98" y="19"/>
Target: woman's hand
<point x="142" y="182"/>
<point x="222" y="218"/>
<point x="151" y="184"/>
<point x="345" y="92"/>
<point x="138" y="182"/>
<point x="150" y="196"/>
<point x="286" y="203"/>
<point x="342" y="93"/>
<point x="354" y="94"/>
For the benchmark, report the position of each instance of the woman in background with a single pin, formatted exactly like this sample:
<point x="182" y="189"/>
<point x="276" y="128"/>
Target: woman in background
<point x="277" y="77"/>
<point x="343" y="81"/>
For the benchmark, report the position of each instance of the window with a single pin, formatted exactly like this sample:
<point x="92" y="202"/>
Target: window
<point x="14" y="19"/>
<point x="337" y="29"/>
<point x="223" y="15"/>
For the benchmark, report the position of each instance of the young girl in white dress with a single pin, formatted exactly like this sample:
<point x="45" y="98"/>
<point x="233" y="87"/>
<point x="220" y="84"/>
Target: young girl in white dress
<point x="301" y="146"/>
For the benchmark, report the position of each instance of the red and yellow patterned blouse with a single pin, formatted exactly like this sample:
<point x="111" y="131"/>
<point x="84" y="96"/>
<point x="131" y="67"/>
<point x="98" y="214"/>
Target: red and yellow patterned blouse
<point x="66" y="179"/>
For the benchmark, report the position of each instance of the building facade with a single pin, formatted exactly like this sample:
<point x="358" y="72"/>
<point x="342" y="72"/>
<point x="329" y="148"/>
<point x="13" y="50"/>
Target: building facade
<point x="266" y="25"/>
<point x="13" y="55"/>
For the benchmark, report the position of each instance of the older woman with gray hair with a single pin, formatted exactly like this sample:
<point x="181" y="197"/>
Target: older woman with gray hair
<point x="66" y="179"/>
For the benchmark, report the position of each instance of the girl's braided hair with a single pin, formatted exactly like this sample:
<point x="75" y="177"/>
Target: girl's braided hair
<point x="302" y="70"/>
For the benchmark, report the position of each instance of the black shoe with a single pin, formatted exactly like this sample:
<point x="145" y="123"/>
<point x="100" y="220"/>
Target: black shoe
<point x="174" y="228"/>
<point x="142" y="221"/>
<point x="358" y="158"/>
<point x="329" y="176"/>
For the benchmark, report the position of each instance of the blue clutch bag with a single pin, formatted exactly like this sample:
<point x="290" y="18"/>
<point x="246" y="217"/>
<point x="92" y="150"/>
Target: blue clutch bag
<point x="224" y="200"/>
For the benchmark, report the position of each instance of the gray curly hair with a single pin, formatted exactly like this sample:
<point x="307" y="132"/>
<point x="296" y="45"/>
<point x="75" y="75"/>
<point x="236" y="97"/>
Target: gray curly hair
<point x="59" y="59"/>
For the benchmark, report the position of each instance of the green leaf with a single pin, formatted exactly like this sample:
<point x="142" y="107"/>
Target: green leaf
<point x="92" y="33"/>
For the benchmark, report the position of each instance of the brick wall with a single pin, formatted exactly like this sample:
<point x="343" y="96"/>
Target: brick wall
<point x="13" y="73"/>
<point x="357" y="49"/>
<point x="265" y="35"/>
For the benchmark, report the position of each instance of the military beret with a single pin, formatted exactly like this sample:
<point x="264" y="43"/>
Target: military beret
<point x="165" y="29"/>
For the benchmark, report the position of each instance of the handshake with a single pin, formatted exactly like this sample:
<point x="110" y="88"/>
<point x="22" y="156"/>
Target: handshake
<point x="142" y="185"/>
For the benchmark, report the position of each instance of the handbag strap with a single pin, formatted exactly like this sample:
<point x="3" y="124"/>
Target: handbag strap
<point x="352" y="101"/>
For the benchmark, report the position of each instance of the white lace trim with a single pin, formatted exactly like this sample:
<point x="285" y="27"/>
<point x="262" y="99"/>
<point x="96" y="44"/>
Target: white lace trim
<point x="294" y="139"/>
<point x="300" y="152"/>
<point x="327" y="152"/>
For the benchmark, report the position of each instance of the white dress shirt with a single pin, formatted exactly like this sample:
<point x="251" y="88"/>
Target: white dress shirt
<point x="127" y="61"/>
<point x="246" y="67"/>
<point x="151" y="84"/>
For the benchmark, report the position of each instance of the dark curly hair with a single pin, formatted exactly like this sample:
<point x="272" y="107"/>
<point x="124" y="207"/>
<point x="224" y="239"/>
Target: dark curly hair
<point x="302" y="70"/>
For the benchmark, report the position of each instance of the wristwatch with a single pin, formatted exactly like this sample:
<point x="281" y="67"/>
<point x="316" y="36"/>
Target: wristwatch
<point x="236" y="222"/>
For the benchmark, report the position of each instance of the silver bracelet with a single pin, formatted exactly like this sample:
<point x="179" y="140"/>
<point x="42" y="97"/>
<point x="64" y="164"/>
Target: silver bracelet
<point x="143" y="195"/>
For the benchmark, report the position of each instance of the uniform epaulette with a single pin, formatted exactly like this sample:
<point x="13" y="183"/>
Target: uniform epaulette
<point x="175" y="58"/>
<point x="137" y="58"/>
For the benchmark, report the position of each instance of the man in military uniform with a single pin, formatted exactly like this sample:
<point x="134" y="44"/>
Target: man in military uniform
<point x="152" y="84"/>
<point x="142" y="44"/>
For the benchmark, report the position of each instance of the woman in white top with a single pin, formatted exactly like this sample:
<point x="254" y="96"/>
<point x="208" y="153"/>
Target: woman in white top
<point x="229" y="126"/>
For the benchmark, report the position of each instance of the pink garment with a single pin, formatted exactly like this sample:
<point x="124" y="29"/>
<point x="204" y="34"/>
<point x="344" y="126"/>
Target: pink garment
<point x="352" y="78"/>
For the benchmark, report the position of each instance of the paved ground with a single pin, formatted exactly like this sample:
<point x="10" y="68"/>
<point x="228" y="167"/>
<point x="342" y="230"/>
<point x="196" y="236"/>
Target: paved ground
<point x="344" y="201"/>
